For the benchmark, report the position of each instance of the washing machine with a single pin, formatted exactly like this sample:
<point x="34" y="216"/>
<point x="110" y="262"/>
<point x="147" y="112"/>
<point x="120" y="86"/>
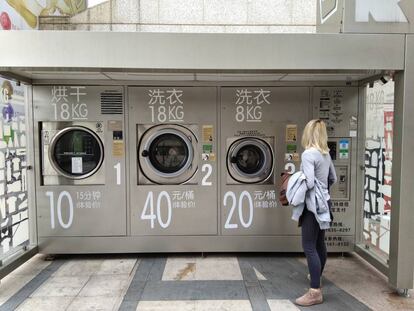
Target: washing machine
<point x="173" y="162"/>
<point x="168" y="154"/>
<point x="250" y="160"/>
<point x="72" y="153"/>
<point x="80" y="150"/>
<point x="260" y="127"/>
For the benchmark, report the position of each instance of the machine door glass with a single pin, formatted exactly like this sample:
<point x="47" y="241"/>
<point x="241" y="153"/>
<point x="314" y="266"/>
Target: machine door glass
<point x="168" y="153"/>
<point x="250" y="160"/>
<point x="76" y="152"/>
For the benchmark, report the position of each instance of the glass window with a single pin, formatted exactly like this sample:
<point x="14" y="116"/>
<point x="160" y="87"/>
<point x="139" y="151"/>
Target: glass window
<point x="378" y="167"/>
<point x="168" y="153"/>
<point x="77" y="152"/>
<point x="249" y="159"/>
<point x="14" y="210"/>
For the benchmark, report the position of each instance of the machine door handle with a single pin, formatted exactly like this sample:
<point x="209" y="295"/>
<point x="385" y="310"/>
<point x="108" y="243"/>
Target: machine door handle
<point x="145" y="153"/>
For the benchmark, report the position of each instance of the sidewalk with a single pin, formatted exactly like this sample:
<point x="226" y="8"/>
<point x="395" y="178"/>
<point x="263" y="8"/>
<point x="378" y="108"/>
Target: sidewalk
<point x="191" y="282"/>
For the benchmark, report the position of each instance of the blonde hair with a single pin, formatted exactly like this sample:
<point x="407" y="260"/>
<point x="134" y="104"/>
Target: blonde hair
<point x="315" y="135"/>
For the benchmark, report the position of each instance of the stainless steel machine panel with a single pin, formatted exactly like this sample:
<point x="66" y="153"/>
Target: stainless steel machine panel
<point x="338" y="107"/>
<point x="267" y="122"/>
<point x="173" y="134"/>
<point x="80" y="152"/>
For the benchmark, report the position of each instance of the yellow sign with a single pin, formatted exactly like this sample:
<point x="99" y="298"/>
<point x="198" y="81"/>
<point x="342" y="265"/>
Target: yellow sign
<point x="118" y="148"/>
<point x="291" y="133"/>
<point x="207" y="133"/>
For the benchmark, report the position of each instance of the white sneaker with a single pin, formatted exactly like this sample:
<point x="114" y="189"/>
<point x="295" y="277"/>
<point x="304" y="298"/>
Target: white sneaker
<point x="312" y="297"/>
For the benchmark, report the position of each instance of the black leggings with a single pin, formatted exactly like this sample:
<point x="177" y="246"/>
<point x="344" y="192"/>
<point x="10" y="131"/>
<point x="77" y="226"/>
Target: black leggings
<point x="313" y="243"/>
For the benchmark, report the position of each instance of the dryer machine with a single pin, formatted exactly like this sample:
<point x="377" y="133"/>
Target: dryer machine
<point x="173" y="161"/>
<point x="260" y="127"/>
<point x="79" y="146"/>
<point x="72" y="153"/>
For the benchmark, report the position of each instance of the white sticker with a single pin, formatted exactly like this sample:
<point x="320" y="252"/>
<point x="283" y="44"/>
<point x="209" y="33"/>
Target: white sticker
<point x="344" y="155"/>
<point x="77" y="165"/>
<point x="353" y="133"/>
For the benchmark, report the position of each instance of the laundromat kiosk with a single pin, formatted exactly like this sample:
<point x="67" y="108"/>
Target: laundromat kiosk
<point x="184" y="168"/>
<point x="177" y="142"/>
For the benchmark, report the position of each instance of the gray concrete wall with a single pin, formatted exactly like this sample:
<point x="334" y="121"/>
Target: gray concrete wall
<point x="220" y="16"/>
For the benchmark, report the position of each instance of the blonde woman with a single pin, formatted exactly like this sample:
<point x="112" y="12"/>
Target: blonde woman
<point x="320" y="173"/>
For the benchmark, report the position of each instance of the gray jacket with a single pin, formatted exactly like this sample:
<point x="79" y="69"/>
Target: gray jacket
<point x="315" y="199"/>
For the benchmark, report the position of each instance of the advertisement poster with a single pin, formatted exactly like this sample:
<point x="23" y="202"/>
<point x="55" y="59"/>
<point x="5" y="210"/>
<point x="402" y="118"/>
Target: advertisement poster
<point x="24" y="14"/>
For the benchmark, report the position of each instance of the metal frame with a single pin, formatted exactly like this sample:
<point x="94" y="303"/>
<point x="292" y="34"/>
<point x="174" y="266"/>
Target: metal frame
<point x="169" y="52"/>
<point x="402" y="217"/>
<point x="225" y="53"/>
<point x="17" y="260"/>
<point x="24" y="253"/>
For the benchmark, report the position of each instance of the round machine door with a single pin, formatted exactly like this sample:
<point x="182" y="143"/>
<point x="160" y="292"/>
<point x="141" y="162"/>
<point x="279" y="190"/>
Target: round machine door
<point x="167" y="154"/>
<point x="76" y="152"/>
<point x="250" y="160"/>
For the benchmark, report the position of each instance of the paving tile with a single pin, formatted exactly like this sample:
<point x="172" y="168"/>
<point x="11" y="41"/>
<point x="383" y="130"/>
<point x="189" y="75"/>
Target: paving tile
<point x="217" y="268"/>
<point x="94" y="303"/>
<point x="260" y="276"/>
<point x="78" y="267"/>
<point x="166" y="305"/>
<point x="18" y="285"/>
<point x="202" y="268"/>
<point x="195" y="305"/>
<point x="45" y="304"/>
<point x="106" y="285"/>
<point x="33" y="266"/>
<point x="195" y="290"/>
<point x="179" y="268"/>
<point x="61" y="286"/>
<point x="225" y="305"/>
<point x="116" y="266"/>
<point x="157" y="269"/>
<point x="11" y="284"/>
<point x="282" y="304"/>
<point x="365" y="283"/>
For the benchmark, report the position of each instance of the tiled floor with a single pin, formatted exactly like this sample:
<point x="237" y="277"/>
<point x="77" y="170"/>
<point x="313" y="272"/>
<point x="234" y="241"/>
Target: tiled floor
<point x="182" y="282"/>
